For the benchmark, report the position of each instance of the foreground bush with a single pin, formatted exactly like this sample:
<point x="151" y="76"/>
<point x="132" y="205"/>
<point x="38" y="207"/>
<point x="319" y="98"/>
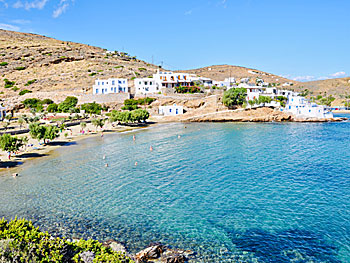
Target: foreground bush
<point x="20" y="241"/>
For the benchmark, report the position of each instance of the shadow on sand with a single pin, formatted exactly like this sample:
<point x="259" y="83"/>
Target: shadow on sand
<point x="10" y="164"/>
<point x="59" y="143"/>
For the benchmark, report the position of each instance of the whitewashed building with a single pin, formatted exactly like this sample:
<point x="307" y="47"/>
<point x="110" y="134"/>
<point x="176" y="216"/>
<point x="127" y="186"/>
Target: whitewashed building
<point x="171" y="110"/>
<point x="109" y="86"/>
<point x="2" y="112"/>
<point x="163" y="80"/>
<point x="303" y="108"/>
<point x="146" y="86"/>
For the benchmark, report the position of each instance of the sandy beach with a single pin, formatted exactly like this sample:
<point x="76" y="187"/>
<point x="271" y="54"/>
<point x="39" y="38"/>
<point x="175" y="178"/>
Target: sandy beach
<point x="34" y="149"/>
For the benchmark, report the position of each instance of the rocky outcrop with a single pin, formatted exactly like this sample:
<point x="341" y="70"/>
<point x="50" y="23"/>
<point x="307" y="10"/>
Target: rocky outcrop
<point x="162" y="254"/>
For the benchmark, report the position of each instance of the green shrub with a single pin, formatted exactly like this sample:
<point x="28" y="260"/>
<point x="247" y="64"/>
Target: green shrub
<point x="52" y="108"/>
<point x="30" y="82"/>
<point x="47" y="101"/>
<point x="9" y="84"/>
<point x="182" y="89"/>
<point x="23" y="242"/>
<point x="25" y="91"/>
<point x="91" y="108"/>
<point x="92" y="74"/>
<point x="15" y="88"/>
<point x="3" y="64"/>
<point x="142" y="69"/>
<point x="68" y="104"/>
<point x="129" y="107"/>
<point x="20" y="68"/>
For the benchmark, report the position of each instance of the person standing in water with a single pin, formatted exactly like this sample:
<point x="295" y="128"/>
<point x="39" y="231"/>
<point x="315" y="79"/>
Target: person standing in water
<point x="151" y="148"/>
<point x="134" y="137"/>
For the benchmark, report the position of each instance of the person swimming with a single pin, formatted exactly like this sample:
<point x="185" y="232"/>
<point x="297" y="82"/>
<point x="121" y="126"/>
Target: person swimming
<point x="106" y="164"/>
<point x="104" y="157"/>
<point x="151" y="148"/>
<point x="135" y="163"/>
<point x="134" y="137"/>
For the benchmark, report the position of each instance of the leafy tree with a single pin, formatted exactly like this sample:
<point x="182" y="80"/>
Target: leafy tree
<point x="20" y="122"/>
<point x="139" y="115"/>
<point x="37" y="131"/>
<point x="91" y="108"/>
<point x="10" y="143"/>
<point x="264" y="99"/>
<point x="282" y="100"/>
<point x="98" y="123"/>
<point x="83" y="125"/>
<point x="31" y="103"/>
<point x="67" y="104"/>
<point x="234" y="97"/>
<point x="52" y="108"/>
<point x="51" y="133"/>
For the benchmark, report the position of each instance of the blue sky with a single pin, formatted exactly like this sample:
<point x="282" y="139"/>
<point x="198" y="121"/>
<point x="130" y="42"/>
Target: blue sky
<point x="299" y="39"/>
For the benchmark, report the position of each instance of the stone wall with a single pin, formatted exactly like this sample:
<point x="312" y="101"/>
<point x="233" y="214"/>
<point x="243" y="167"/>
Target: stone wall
<point x="106" y="98"/>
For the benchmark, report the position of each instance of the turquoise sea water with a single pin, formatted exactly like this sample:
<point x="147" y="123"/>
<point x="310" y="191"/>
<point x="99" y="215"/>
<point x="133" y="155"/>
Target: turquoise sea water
<point x="267" y="192"/>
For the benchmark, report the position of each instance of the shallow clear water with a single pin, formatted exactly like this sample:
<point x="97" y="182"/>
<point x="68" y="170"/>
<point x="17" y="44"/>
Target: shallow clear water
<point x="255" y="192"/>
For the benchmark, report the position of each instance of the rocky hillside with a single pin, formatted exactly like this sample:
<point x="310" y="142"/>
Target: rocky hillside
<point x="220" y="72"/>
<point x="53" y="68"/>
<point x="335" y="87"/>
<point x="38" y="63"/>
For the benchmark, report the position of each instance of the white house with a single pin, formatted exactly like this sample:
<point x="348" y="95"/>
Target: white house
<point x="303" y="108"/>
<point x="171" y="110"/>
<point x="109" y="86"/>
<point x="163" y="80"/>
<point x="146" y="85"/>
<point x="2" y="112"/>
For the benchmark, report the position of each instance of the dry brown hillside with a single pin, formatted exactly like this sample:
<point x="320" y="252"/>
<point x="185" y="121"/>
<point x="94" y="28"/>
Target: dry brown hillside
<point x="335" y="87"/>
<point x="59" y="66"/>
<point x="55" y="69"/>
<point x="220" y="72"/>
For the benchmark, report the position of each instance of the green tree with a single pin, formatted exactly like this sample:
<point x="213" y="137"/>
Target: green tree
<point x="51" y="133"/>
<point x="20" y="122"/>
<point x="37" y="131"/>
<point x="234" y="97"/>
<point x="139" y="115"/>
<point x="91" y="108"/>
<point x="52" y="108"/>
<point x="264" y="99"/>
<point x="98" y="123"/>
<point x="83" y="125"/>
<point x="67" y="104"/>
<point x="10" y="143"/>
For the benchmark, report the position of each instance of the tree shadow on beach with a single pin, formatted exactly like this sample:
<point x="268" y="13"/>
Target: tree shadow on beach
<point x="31" y="155"/>
<point x="9" y="164"/>
<point x="61" y="143"/>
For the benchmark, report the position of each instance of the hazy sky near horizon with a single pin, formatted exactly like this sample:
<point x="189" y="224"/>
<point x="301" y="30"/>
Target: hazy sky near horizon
<point x="298" y="39"/>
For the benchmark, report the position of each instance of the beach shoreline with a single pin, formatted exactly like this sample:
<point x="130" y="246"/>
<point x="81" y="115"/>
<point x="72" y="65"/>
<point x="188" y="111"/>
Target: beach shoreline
<point x="39" y="150"/>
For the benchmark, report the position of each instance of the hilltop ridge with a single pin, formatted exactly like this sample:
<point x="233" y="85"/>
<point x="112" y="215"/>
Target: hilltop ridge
<point x="42" y="64"/>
